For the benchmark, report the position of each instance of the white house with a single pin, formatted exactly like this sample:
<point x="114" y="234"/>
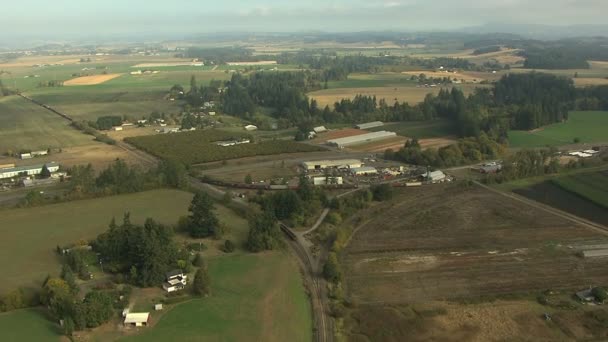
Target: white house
<point x="176" y="280"/>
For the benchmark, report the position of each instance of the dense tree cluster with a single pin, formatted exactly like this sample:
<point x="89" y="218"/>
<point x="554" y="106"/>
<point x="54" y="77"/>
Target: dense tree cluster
<point x="142" y="253"/>
<point x="107" y="122"/>
<point x="264" y="232"/>
<point x="592" y="98"/>
<point x="486" y="49"/>
<point x="466" y="151"/>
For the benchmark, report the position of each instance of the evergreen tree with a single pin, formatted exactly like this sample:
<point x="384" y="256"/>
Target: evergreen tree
<point x="203" y="221"/>
<point x="201" y="285"/>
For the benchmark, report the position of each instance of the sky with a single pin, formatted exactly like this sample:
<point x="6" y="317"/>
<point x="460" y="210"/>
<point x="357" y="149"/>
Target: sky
<point x="104" y="17"/>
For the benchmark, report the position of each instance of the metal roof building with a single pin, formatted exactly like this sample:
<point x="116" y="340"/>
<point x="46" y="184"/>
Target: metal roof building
<point x="361" y="139"/>
<point x="338" y="163"/>
<point x="366" y="170"/>
<point x="28" y="170"/>
<point x="368" y="125"/>
<point x="137" y="319"/>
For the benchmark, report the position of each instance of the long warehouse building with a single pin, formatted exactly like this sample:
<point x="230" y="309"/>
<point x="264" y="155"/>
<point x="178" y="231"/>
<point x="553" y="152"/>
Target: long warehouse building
<point x="361" y="139"/>
<point x="338" y="163"/>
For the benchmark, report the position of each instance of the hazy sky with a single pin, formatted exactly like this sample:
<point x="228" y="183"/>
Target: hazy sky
<point x="200" y="16"/>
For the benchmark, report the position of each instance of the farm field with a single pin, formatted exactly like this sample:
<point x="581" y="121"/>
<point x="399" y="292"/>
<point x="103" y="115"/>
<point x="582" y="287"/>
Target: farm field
<point x="591" y="186"/>
<point x="449" y="242"/>
<point x="385" y="79"/>
<point x="419" y="129"/>
<point x="410" y="94"/>
<point x="198" y="147"/>
<point x="555" y="194"/>
<point x="254" y="298"/>
<point x="26" y="126"/>
<point x="90" y="80"/>
<point x="29" y="236"/>
<point x="588" y="126"/>
<point x="28" y="325"/>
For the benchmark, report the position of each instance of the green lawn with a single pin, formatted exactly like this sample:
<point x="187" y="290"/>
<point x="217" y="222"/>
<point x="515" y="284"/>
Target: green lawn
<point x="24" y="125"/>
<point x="28" y="237"/>
<point x="27" y="325"/>
<point x="255" y="297"/>
<point x="419" y="129"/>
<point x="588" y="126"/>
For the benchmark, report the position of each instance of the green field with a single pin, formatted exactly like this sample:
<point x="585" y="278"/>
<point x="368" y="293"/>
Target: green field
<point x="254" y="298"/>
<point x="27" y="325"/>
<point x="24" y="125"/>
<point x="28" y="237"/>
<point x="588" y="126"/>
<point x="419" y="129"/>
<point x="591" y="186"/>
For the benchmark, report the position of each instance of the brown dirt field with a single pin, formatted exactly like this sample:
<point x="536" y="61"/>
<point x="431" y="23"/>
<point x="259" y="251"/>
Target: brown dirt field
<point x="381" y="146"/>
<point x="98" y="154"/>
<point x="587" y="82"/>
<point x="32" y="60"/>
<point x="409" y="94"/>
<point x="132" y="132"/>
<point x="439" y="321"/>
<point x="340" y="133"/>
<point x="90" y="80"/>
<point x="436" y="142"/>
<point x="448" y="241"/>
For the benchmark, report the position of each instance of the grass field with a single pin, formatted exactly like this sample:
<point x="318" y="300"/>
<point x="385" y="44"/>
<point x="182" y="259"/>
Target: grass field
<point x="419" y="129"/>
<point x="254" y="298"/>
<point x="588" y="126"/>
<point x="24" y="125"/>
<point x="29" y="236"/>
<point x="27" y="325"/>
<point x="591" y="186"/>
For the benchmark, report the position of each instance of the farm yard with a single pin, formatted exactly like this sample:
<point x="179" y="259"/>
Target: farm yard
<point x="29" y="236"/>
<point x="587" y="126"/>
<point x="456" y="243"/>
<point x="198" y="147"/>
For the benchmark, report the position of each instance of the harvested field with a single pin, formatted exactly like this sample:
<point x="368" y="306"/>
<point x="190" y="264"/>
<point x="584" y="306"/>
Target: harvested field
<point x="587" y="82"/>
<point x="437" y="142"/>
<point x="340" y="133"/>
<point x="90" y="80"/>
<point x="451" y="241"/>
<point x="410" y="94"/>
<point x="381" y="146"/>
<point x="497" y="321"/>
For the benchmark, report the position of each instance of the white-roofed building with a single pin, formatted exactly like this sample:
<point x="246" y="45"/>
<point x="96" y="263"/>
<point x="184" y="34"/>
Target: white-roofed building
<point x="137" y="319"/>
<point x="338" y="163"/>
<point x="361" y="139"/>
<point x="369" y="125"/>
<point x="364" y="171"/>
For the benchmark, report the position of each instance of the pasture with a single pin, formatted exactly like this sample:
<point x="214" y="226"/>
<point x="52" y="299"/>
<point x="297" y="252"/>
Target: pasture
<point x="26" y="126"/>
<point x="28" y="325"/>
<point x="591" y="186"/>
<point x="419" y="129"/>
<point x="28" y="237"/>
<point x="587" y="126"/>
<point x="255" y="297"/>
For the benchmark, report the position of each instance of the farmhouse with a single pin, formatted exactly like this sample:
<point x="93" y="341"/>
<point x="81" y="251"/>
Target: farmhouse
<point x="27" y="170"/>
<point x="176" y="280"/>
<point x="251" y="128"/>
<point x="435" y="176"/>
<point x="338" y="163"/>
<point x="364" y="171"/>
<point x="361" y="139"/>
<point x="139" y="319"/>
<point x="369" y="125"/>
<point x="327" y="181"/>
